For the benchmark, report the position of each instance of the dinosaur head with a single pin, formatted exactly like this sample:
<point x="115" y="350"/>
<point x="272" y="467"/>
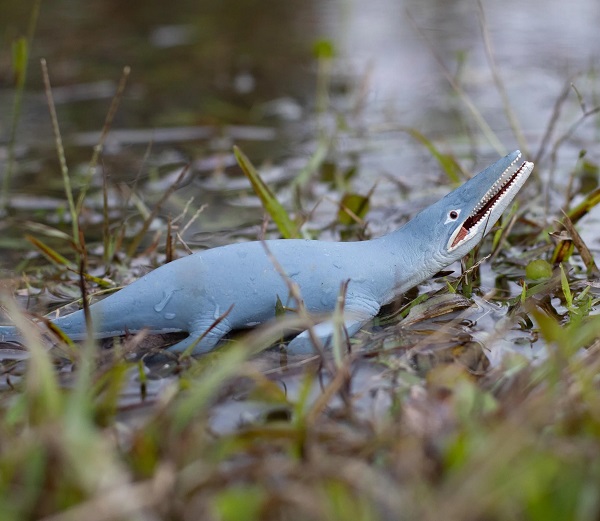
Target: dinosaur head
<point x="473" y="208"/>
<point x="459" y="221"/>
<point x="447" y="230"/>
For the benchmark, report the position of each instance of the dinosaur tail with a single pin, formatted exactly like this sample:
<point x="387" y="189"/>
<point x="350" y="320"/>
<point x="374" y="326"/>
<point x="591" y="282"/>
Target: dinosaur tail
<point x="141" y="305"/>
<point x="72" y="325"/>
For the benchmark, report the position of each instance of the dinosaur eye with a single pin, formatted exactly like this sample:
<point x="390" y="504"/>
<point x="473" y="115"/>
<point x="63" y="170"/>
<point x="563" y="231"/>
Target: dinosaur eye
<point x="452" y="216"/>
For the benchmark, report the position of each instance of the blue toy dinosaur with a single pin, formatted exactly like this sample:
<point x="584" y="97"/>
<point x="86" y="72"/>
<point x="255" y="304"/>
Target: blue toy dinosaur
<point x="191" y="293"/>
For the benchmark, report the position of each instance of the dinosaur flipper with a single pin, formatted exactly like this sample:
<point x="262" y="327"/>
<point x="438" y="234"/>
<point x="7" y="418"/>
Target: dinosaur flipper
<point x="357" y="313"/>
<point x="203" y="338"/>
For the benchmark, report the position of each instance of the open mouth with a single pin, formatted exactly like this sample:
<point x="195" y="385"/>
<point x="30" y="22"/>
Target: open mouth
<point x="490" y="200"/>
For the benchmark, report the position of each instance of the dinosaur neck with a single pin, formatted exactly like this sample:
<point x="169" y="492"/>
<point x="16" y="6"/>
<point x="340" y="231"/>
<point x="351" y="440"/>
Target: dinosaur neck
<point x="415" y="256"/>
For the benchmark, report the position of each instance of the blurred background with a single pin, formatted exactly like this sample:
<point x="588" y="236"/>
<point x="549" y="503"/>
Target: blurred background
<point x="337" y="82"/>
<point x="198" y="62"/>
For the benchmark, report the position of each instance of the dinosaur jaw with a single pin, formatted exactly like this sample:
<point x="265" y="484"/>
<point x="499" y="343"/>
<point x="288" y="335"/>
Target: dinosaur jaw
<point x="492" y="204"/>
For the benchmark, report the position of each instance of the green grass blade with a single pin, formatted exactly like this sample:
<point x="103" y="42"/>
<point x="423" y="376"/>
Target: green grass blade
<point x="21" y="53"/>
<point x="449" y="165"/>
<point x="205" y="386"/>
<point x="42" y="391"/>
<point x="565" y="287"/>
<point x="270" y="203"/>
<point x="51" y="254"/>
<point x="61" y="154"/>
<point x="583" y="208"/>
<point x="314" y="163"/>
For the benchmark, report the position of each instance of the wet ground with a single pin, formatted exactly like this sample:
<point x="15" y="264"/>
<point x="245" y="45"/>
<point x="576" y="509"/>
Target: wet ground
<point x="323" y="89"/>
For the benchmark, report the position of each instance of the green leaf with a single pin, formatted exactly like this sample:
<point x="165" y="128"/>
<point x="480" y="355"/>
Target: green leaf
<point x="272" y="206"/>
<point x="351" y="207"/>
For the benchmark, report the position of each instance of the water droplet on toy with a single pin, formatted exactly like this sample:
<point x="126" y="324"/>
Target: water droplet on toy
<point x="165" y="300"/>
<point x="170" y="316"/>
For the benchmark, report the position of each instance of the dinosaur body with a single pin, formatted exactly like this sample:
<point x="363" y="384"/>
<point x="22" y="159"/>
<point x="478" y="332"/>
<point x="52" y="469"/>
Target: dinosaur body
<point x="191" y="293"/>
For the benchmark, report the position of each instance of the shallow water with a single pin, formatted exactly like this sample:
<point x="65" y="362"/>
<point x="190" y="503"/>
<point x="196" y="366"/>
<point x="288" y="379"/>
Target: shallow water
<point x="206" y="77"/>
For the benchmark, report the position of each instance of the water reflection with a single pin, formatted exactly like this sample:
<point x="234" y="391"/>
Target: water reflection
<point x="212" y="62"/>
<point x="538" y="46"/>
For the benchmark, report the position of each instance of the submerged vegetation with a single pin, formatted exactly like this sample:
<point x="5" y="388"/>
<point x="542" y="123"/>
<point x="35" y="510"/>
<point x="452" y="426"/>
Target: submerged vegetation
<point x="474" y="397"/>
